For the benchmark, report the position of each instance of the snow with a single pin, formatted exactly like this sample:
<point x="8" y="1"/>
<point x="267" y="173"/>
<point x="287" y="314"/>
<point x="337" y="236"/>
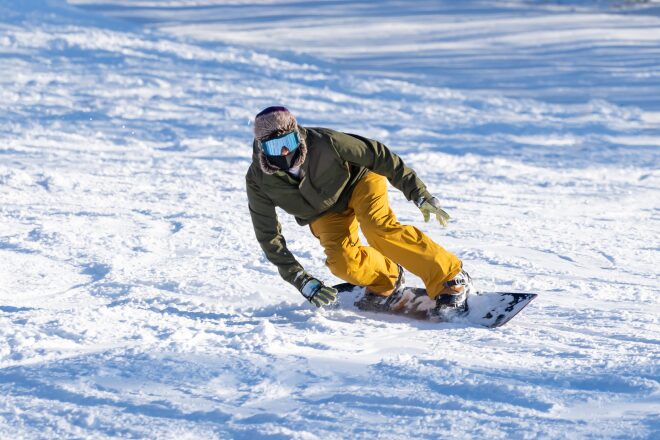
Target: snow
<point x="135" y="302"/>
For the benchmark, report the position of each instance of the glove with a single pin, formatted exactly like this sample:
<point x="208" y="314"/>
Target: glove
<point x="432" y="206"/>
<point x="318" y="293"/>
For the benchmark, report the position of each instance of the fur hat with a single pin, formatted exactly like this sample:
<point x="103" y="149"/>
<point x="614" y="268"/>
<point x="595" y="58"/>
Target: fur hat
<point x="274" y="121"/>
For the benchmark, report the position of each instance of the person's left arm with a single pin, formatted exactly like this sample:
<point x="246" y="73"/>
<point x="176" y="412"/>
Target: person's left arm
<point x="376" y="157"/>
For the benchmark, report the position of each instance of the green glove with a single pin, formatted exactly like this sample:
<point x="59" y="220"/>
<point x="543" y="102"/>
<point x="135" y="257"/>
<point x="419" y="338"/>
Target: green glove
<point x="432" y="206"/>
<point x="318" y="293"/>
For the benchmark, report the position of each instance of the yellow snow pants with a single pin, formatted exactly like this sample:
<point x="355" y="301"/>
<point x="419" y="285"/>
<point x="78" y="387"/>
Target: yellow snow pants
<point x="390" y="243"/>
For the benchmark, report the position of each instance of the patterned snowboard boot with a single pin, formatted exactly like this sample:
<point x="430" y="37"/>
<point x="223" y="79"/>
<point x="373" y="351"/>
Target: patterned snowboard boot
<point x="454" y="294"/>
<point x="372" y="302"/>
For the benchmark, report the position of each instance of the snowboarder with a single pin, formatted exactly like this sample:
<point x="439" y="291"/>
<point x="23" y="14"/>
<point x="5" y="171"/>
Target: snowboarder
<point x="333" y="182"/>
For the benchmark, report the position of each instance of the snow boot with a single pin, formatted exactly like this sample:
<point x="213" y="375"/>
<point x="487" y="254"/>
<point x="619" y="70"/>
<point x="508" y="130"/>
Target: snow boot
<point x="373" y="302"/>
<point x="454" y="294"/>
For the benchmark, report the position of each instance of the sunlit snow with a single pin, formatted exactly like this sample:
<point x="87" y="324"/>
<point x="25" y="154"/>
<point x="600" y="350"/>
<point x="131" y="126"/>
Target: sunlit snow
<point x="136" y="303"/>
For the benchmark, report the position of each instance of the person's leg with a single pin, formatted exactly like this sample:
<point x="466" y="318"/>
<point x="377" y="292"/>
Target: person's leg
<point x="348" y="259"/>
<point x="404" y="244"/>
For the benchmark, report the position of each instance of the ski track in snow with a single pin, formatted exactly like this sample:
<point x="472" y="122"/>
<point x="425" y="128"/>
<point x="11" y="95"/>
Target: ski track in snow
<point x="134" y="301"/>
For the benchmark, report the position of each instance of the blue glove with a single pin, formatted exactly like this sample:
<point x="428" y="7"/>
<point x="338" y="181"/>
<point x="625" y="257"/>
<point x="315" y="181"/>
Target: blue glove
<point x="318" y="293"/>
<point x="432" y="206"/>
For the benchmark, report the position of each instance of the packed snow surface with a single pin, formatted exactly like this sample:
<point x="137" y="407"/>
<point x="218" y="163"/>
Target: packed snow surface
<point x="136" y="303"/>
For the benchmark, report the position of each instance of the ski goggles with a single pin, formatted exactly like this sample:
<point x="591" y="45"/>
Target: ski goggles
<point x="276" y="146"/>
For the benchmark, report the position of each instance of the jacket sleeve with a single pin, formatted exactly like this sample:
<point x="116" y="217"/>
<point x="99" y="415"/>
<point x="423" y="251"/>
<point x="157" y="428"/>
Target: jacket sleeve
<point x="376" y="157"/>
<point x="268" y="231"/>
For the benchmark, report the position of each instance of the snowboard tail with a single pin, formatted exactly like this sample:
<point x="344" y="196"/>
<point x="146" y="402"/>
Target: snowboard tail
<point x="492" y="309"/>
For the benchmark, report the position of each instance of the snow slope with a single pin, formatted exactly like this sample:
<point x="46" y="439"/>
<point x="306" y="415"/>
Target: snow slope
<point x="134" y="301"/>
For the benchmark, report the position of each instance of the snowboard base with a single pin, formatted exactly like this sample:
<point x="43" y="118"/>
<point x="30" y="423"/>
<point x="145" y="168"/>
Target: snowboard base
<point x="491" y="309"/>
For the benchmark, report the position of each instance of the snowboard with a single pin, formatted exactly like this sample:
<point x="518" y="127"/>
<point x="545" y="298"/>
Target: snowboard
<point x="490" y="309"/>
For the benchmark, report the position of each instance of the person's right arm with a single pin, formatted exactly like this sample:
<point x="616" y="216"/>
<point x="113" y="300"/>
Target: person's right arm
<point x="268" y="231"/>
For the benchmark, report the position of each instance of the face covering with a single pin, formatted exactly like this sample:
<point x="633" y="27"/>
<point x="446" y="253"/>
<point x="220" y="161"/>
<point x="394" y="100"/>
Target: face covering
<point x="284" y="162"/>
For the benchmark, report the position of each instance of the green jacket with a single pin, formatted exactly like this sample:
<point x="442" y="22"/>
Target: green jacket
<point x="334" y="163"/>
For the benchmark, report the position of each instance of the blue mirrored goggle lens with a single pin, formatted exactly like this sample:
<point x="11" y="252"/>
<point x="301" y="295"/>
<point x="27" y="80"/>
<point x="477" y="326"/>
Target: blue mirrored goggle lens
<point x="273" y="147"/>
